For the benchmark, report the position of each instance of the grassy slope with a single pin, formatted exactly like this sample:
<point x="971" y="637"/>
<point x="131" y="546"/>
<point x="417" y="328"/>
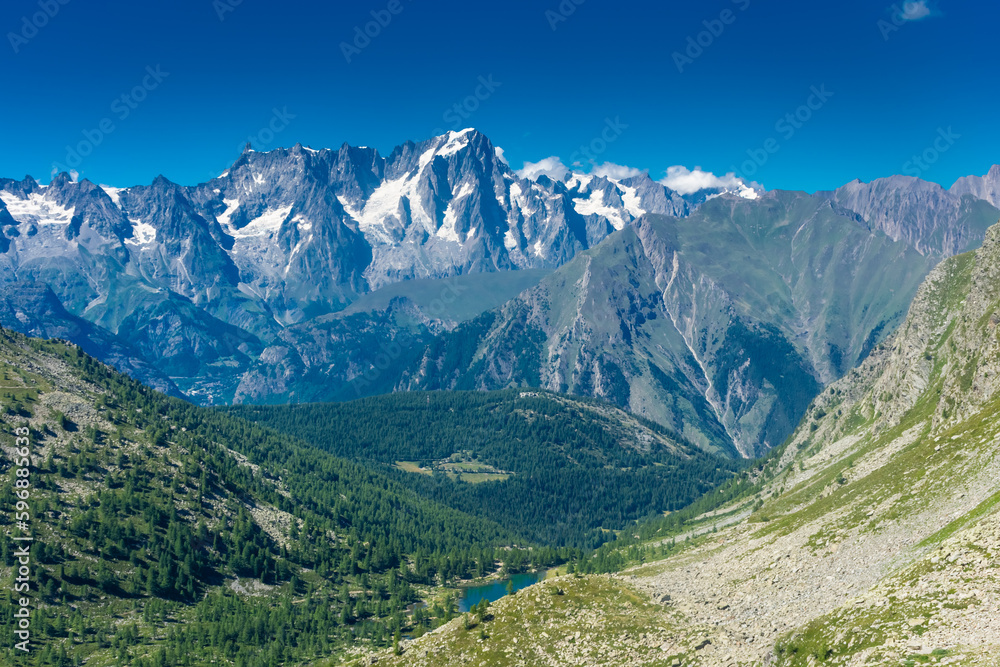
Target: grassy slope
<point x="562" y="621"/>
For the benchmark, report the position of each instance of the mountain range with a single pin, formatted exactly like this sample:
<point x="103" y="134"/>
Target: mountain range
<point x="303" y="274"/>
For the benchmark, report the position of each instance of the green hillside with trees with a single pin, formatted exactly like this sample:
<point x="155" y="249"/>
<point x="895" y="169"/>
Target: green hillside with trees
<point x="167" y="534"/>
<point x="557" y="469"/>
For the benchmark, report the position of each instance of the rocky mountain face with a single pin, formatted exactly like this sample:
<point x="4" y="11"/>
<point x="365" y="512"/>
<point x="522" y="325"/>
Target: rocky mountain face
<point x="985" y="187"/>
<point x="74" y="239"/>
<point x="722" y="326"/>
<point x="349" y="221"/>
<point x="935" y="221"/>
<point x="338" y="356"/>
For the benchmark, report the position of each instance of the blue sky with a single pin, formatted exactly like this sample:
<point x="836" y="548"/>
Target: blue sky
<point x="543" y="78"/>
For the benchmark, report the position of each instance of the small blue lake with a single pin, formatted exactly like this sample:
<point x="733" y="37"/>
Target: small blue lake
<point x="495" y="590"/>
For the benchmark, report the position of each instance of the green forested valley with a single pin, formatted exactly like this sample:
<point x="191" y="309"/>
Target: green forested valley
<point x="555" y="469"/>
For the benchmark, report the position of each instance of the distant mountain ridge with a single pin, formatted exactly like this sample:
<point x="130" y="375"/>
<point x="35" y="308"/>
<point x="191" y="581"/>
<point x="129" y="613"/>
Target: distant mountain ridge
<point x="985" y="187"/>
<point x="241" y="288"/>
<point x="933" y="220"/>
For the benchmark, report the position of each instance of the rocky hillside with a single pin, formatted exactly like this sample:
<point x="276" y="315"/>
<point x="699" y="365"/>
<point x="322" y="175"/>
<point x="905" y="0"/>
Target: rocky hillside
<point x="935" y="221"/>
<point x="722" y="326"/>
<point x="872" y="539"/>
<point x="34" y="309"/>
<point x="985" y="187"/>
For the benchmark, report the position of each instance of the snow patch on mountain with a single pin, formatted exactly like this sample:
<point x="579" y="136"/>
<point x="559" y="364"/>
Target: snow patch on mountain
<point x="304" y="227"/>
<point x="143" y="233"/>
<point x="595" y="205"/>
<point x="114" y="193"/>
<point x="224" y="217"/>
<point x="448" y="229"/>
<point x="301" y="223"/>
<point x="632" y="201"/>
<point x="354" y="213"/>
<point x="509" y="240"/>
<point x="264" y="225"/>
<point x="36" y="209"/>
<point x="519" y="200"/>
<point x="456" y="142"/>
<point x="382" y="205"/>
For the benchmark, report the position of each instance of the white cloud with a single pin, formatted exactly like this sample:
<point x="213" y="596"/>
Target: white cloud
<point x="684" y="181"/>
<point x="679" y="178"/>
<point x="550" y="166"/>
<point x="499" y="152"/>
<point x="914" y="10"/>
<point x="614" y="171"/>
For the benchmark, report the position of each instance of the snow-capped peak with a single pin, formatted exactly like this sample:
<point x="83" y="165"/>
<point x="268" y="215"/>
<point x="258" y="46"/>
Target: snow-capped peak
<point x="455" y="141"/>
